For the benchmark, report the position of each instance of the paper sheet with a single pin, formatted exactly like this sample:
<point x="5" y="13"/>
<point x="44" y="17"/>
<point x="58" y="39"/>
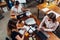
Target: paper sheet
<point x="21" y="32"/>
<point x="33" y="28"/>
<point x="21" y="1"/>
<point x="26" y="27"/>
<point x="30" y="29"/>
<point x="45" y="9"/>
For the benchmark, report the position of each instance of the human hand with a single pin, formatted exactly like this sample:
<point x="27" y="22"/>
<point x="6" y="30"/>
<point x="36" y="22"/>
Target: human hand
<point x="43" y="28"/>
<point x="38" y="29"/>
<point x="28" y="9"/>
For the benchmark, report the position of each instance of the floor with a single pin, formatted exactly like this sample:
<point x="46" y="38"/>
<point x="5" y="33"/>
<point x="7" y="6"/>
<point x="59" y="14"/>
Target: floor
<point x="3" y="26"/>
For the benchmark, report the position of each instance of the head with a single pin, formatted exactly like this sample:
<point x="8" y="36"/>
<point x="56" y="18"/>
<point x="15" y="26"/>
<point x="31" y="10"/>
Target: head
<point x="12" y="24"/>
<point x="16" y="4"/>
<point x="52" y="16"/>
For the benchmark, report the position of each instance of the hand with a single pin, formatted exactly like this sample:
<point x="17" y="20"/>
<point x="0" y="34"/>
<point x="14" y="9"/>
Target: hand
<point x="28" y="9"/>
<point x="43" y="28"/>
<point x="38" y="29"/>
<point x="25" y="32"/>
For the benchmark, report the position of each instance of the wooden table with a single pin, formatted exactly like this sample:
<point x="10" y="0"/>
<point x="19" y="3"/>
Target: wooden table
<point x="2" y="4"/>
<point x="52" y="35"/>
<point x="50" y="7"/>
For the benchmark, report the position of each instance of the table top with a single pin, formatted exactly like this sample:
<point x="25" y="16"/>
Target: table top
<point x="2" y="3"/>
<point x="50" y="7"/>
<point x="52" y="35"/>
<point x="32" y="16"/>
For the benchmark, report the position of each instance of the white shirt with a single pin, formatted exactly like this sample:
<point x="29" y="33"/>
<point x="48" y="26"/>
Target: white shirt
<point x="15" y="10"/>
<point x="21" y="1"/>
<point x="49" y="24"/>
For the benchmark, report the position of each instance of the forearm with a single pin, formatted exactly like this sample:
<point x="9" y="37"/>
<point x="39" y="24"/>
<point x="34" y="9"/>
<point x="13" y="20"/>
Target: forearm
<point x="49" y="30"/>
<point x="25" y="9"/>
<point x="43" y="21"/>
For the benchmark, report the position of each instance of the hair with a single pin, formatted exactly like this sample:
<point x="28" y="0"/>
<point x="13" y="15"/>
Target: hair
<point x="16" y="3"/>
<point x="52" y="16"/>
<point x="12" y="24"/>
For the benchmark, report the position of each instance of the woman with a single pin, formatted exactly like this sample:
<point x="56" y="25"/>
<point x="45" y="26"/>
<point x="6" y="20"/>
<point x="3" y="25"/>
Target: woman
<point x="17" y="9"/>
<point x="49" y="23"/>
<point x="12" y="25"/>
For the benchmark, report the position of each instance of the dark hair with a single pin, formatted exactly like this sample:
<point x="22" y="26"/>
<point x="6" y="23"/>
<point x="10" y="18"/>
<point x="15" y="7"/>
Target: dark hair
<point x="12" y="24"/>
<point x="16" y="3"/>
<point x="52" y="16"/>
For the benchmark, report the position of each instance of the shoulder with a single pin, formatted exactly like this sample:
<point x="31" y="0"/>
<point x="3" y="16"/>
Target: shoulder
<point x="15" y="33"/>
<point x="12" y="7"/>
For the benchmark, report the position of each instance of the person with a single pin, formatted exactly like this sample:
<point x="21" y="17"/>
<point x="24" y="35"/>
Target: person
<point x="49" y="23"/>
<point x="18" y="9"/>
<point x="12" y="25"/>
<point x="9" y="3"/>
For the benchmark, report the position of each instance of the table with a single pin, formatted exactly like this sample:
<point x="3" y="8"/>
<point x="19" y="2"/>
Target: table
<point x="24" y="18"/>
<point x="52" y="35"/>
<point x="50" y="7"/>
<point x="2" y="4"/>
